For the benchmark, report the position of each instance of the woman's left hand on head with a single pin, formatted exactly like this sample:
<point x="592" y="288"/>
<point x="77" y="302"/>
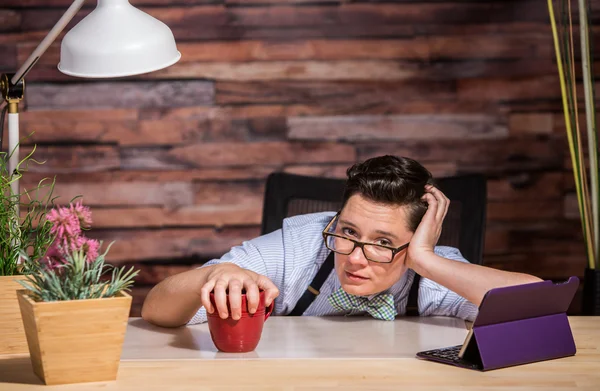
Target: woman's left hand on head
<point x="429" y="230"/>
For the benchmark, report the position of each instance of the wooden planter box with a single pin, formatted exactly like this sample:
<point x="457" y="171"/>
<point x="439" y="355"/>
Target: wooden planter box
<point x="75" y="341"/>
<point x="12" y="335"/>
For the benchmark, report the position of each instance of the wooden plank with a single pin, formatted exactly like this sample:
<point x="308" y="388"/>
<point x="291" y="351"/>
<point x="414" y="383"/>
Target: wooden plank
<point x="107" y="194"/>
<point x="315" y="49"/>
<point x="531" y="106"/>
<point x="319" y="170"/>
<point x="531" y="123"/>
<point x="451" y="69"/>
<point x="496" y="241"/>
<point x="506" y="45"/>
<point x="499" y="46"/>
<point x="27" y="117"/>
<point x="527" y="186"/>
<point x="545" y="87"/>
<point x="294" y="110"/>
<point x="212" y="215"/>
<point x="239" y="193"/>
<point x="171" y="244"/>
<point x="556" y="236"/>
<point x="104" y="95"/>
<point x="154" y="132"/>
<point x="66" y="3"/>
<point x="354" y="70"/>
<point x="29" y="36"/>
<point x="189" y="21"/>
<point x="559" y="120"/>
<point x="312" y="15"/>
<point x="72" y="159"/>
<point x="397" y="127"/>
<point x="185" y="132"/>
<point x="542" y="209"/>
<point x="571" y="206"/>
<point x="264" y="2"/>
<point x="544" y="265"/>
<point x="123" y="204"/>
<point x="36" y="19"/>
<point x="356" y="13"/>
<point x="8" y="61"/>
<point x="553" y="239"/>
<point x="77" y="132"/>
<point x="30" y="179"/>
<point x="339" y="171"/>
<point x="9" y="20"/>
<point x="292" y="70"/>
<point x="236" y="154"/>
<point x="346" y="95"/>
<point x="339" y="32"/>
<point x="232" y="32"/>
<point x="520" y="154"/>
<point x="204" y="174"/>
<point x="208" y="204"/>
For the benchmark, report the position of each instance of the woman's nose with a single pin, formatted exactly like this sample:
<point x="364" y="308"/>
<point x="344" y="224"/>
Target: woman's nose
<point x="357" y="256"/>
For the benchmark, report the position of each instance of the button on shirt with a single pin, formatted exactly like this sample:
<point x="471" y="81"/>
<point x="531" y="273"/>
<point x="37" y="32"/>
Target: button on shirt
<point x="290" y="257"/>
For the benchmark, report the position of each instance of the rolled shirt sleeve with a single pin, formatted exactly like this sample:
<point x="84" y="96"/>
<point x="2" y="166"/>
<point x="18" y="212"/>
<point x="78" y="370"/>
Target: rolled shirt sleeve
<point x="437" y="300"/>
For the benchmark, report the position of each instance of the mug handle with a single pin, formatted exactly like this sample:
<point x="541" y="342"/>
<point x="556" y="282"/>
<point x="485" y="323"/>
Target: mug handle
<point x="269" y="310"/>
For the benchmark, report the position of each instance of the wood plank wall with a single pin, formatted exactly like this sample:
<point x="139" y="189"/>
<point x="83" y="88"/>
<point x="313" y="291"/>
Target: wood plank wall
<point x="174" y="162"/>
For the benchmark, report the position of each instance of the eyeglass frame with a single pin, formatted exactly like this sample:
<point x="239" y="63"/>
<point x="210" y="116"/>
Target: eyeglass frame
<point x="395" y="250"/>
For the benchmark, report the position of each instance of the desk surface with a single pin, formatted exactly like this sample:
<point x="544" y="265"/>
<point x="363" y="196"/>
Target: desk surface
<point x="310" y="353"/>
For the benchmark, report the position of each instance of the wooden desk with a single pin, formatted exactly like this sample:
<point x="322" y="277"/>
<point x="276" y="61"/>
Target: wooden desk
<point x="310" y="353"/>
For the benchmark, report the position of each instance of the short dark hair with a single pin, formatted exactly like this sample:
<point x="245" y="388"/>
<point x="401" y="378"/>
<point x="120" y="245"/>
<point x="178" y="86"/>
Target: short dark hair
<point x="391" y="180"/>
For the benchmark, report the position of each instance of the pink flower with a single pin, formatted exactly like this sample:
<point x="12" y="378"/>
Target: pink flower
<point x="91" y="248"/>
<point x="67" y="225"/>
<point x="54" y="256"/>
<point x="53" y="251"/>
<point x="83" y="214"/>
<point x="64" y="223"/>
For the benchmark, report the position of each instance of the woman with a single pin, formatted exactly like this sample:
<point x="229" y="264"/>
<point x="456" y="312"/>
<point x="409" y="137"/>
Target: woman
<point x="384" y="235"/>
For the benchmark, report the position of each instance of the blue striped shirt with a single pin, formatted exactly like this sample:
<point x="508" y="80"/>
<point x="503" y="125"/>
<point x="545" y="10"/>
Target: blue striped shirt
<point x="290" y="257"/>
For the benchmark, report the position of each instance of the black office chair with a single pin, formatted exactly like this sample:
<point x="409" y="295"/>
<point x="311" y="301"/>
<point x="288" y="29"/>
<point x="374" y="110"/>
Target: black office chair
<point x="289" y="195"/>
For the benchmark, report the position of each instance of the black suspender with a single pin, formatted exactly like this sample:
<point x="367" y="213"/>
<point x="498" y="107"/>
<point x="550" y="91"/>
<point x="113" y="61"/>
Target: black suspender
<point x="311" y="293"/>
<point x="313" y="289"/>
<point x="412" y="306"/>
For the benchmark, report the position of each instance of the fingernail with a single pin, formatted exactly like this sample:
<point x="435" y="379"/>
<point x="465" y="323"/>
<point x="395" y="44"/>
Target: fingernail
<point x="252" y="310"/>
<point x="223" y="315"/>
<point x="236" y="317"/>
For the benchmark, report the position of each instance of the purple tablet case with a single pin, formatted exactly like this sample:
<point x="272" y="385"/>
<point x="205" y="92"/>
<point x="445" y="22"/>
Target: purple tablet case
<point x="519" y="325"/>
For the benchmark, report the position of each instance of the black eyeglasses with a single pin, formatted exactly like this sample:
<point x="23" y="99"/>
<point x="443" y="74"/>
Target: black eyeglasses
<point x="345" y="246"/>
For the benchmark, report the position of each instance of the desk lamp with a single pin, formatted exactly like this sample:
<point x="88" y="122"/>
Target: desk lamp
<point x="114" y="40"/>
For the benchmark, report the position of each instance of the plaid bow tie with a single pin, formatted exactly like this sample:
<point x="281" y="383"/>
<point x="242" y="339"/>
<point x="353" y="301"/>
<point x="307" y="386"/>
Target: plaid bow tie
<point x="380" y="307"/>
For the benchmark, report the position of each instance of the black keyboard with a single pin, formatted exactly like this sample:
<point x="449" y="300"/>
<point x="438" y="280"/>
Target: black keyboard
<point x="450" y="353"/>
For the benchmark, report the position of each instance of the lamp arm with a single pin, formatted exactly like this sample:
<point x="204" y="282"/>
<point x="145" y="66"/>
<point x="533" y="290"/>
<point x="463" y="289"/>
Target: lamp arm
<point x="47" y="41"/>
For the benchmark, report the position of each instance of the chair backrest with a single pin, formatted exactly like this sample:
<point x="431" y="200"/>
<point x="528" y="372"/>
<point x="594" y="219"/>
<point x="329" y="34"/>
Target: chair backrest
<point x="289" y="195"/>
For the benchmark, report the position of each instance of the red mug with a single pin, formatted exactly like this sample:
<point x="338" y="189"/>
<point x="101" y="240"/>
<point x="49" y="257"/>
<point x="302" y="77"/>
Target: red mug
<point x="242" y="335"/>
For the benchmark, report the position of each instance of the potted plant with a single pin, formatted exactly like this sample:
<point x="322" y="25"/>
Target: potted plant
<point x="23" y="228"/>
<point x="74" y="311"/>
<point x="581" y="141"/>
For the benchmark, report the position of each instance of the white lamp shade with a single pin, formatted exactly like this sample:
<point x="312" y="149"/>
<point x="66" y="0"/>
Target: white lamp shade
<point x="116" y="39"/>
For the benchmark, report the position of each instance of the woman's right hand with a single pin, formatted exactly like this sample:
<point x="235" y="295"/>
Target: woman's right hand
<point x="228" y="277"/>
